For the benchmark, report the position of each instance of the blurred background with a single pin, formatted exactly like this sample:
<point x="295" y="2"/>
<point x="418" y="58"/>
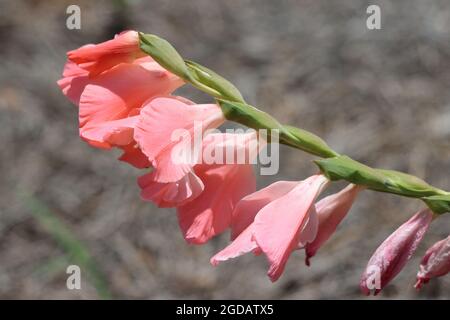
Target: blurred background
<point x="380" y="96"/>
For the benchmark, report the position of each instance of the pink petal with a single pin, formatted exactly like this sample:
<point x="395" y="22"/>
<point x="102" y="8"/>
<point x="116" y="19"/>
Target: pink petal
<point x="134" y="156"/>
<point x="309" y="232"/>
<point x="103" y="56"/>
<point x="210" y="213"/>
<point x="248" y="207"/>
<point x="278" y="224"/>
<point x="111" y="133"/>
<point x="73" y="82"/>
<point x="435" y="263"/>
<point x="243" y="244"/>
<point x="331" y="211"/>
<point x="159" y="119"/>
<point x="392" y="255"/>
<point x="114" y="94"/>
<point x="170" y="194"/>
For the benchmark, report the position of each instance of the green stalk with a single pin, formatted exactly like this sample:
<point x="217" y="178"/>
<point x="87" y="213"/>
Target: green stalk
<point x="333" y="165"/>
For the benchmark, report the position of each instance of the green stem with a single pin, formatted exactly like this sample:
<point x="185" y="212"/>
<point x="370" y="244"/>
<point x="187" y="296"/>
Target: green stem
<point x="334" y="166"/>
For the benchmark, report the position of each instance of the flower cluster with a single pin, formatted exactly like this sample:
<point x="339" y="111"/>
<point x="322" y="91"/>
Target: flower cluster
<point x="126" y="101"/>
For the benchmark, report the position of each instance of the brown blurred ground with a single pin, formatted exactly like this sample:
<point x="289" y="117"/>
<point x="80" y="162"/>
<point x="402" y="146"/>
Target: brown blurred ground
<point x="380" y="96"/>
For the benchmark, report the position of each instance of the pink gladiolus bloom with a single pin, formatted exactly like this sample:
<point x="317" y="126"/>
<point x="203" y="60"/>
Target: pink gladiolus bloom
<point x="109" y="82"/>
<point x="210" y="213"/>
<point x="178" y="193"/>
<point x="249" y="206"/>
<point x="285" y="217"/>
<point x="159" y="120"/>
<point x="331" y="211"/>
<point x="110" y="102"/>
<point x="392" y="255"/>
<point x="119" y="94"/>
<point x="96" y="58"/>
<point x="435" y="263"/>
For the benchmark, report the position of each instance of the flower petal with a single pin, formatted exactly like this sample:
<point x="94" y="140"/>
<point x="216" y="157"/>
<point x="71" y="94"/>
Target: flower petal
<point x="243" y="244"/>
<point x="331" y="211"/>
<point x="111" y="133"/>
<point x="278" y="224"/>
<point x="435" y="263"/>
<point x="210" y="213"/>
<point x="159" y="120"/>
<point x="392" y="255"/>
<point x="309" y="231"/>
<point x="96" y="58"/>
<point x="248" y="207"/>
<point x="170" y="194"/>
<point x="73" y="82"/>
<point x="114" y="94"/>
<point x="134" y="156"/>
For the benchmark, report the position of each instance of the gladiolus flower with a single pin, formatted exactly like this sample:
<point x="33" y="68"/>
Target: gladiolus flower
<point x="435" y="263"/>
<point x="109" y="82"/>
<point x="96" y="58"/>
<point x="392" y="255"/>
<point x="210" y="213"/>
<point x="249" y="206"/>
<point x="331" y="211"/>
<point x="225" y="184"/>
<point x="159" y="120"/>
<point x="178" y="193"/>
<point x="119" y="94"/>
<point x="285" y="217"/>
<point x="109" y="102"/>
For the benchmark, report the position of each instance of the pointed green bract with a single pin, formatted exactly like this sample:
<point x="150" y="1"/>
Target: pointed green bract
<point x="199" y="76"/>
<point x="345" y="168"/>
<point x="211" y="79"/>
<point x="439" y="204"/>
<point x="310" y="142"/>
<point x="409" y="184"/>
<point x="164" y="53"/>
<point x="252" y="117"/>
<point x="248" y="115"/>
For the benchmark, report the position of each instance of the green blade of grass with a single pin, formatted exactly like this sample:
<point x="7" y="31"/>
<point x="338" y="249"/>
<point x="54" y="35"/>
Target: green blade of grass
<point x="75" y="250"/>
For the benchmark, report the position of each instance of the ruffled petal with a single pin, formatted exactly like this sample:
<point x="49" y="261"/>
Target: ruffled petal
<point x="160" y="119"/>
<point x="170" y="194"/>
<point x="73" y="82"/>
<point x="210" y="213"/>
<point x="96" y="58"/>
<point x="134" y="156"/>
<point x="113" y="95"/>
<point x="111" y="133"/>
